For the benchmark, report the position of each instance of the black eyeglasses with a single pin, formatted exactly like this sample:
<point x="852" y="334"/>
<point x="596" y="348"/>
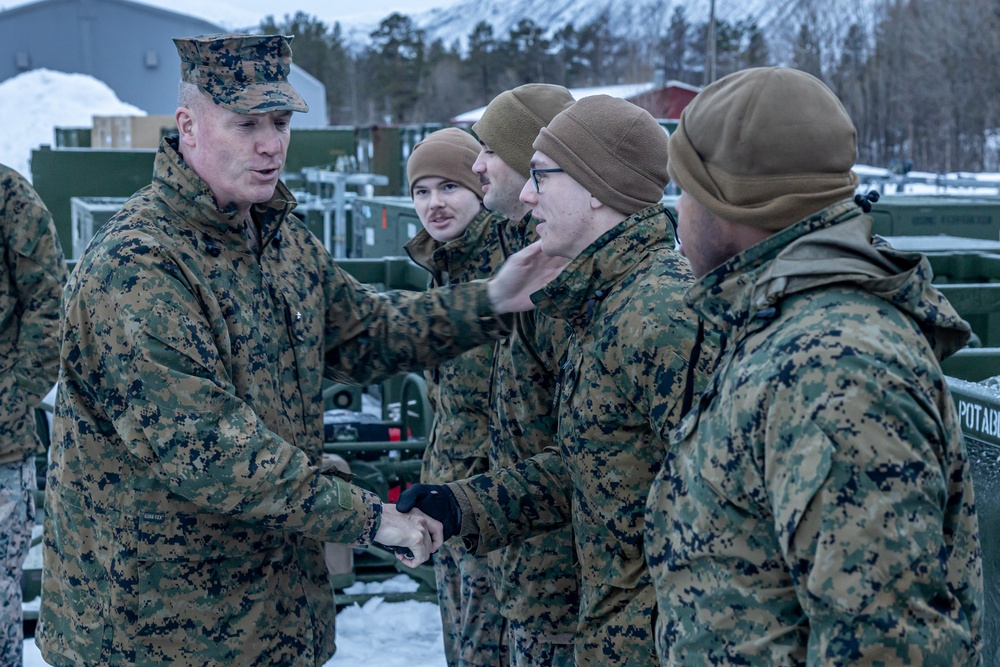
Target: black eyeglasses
<point x="534" y="175"/>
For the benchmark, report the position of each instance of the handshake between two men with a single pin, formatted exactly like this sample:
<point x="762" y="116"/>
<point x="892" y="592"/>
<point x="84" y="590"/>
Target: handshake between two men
<point x="415" y="527"/>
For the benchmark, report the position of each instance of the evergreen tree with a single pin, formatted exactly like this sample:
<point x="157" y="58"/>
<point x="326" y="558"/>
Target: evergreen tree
<point x="320" y="52"/>
<point x="483" y="63"/>
<point x="401" y="51"/>
<point x="527" y="52"/>
<point x="675" y="45"/>
<point x="807" y="55"/>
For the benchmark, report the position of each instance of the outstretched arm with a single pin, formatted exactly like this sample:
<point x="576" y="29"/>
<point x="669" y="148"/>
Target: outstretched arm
<point x="524" y="272"/>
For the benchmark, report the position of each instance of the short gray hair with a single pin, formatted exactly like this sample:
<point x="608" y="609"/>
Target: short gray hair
<point x="189" y="95"/>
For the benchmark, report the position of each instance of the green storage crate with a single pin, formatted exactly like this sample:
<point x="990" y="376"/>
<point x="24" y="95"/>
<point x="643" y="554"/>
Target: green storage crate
<point x="930" y="215"/>
<point x="382" y="226"/>
<point x="380" y="151"/>
<point x="88" y="215"/>
<point x="73" y="137"/>
<point x="978" y="406"/>
<point x="60" y="174"/>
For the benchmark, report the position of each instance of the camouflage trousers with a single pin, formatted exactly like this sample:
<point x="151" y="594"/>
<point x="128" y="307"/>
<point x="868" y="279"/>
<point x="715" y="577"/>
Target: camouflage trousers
<point x="474" y="630"/>
<point x="17" y="515"/>
<point x="528" y="649"/>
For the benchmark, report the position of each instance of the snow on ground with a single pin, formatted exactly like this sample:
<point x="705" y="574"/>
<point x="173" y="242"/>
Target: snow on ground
<point x="34" y="103"/>
<point x="387" y="634"/>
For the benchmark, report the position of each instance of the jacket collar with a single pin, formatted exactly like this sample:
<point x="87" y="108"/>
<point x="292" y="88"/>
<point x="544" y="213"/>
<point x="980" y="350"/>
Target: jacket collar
<point x="437" y="257"/>
<point x="172" y="174"/>
<point x="832" y="247"/>
<point x="592" y="274"/>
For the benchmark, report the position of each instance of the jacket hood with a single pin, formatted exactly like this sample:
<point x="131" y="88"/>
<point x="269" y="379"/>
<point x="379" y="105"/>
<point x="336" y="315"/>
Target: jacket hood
<point x="832" y="247"/>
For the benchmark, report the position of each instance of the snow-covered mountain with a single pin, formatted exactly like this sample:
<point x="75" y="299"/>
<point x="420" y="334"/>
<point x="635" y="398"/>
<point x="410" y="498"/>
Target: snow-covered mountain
<point x="455" y="21"/>
<point x="459" y="19"/>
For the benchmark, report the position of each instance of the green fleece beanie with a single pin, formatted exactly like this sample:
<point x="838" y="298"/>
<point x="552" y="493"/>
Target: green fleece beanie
<point x="448" y="153"/>
<point x="765" y="147"/>
<point x="613" y="148"/>
<point x="512" y="121"/>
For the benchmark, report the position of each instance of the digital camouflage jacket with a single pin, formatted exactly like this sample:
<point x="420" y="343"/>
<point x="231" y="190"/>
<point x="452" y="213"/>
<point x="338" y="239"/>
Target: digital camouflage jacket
<point x="185" y="509"/>
<point x="816" y="507"/>
<point x="621" y="386"/>
<point x="459" y="390"/>
<point x="31" y="283"/>
<point x="536" y="580"/>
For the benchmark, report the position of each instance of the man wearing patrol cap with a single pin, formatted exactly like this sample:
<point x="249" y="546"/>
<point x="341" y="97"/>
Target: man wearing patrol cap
<point x="185" y="506"/>
<point x="243" y="73"/>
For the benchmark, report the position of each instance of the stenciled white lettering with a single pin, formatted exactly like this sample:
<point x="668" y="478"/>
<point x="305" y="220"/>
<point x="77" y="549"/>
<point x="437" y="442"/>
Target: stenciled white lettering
<point x="979" y="418"/>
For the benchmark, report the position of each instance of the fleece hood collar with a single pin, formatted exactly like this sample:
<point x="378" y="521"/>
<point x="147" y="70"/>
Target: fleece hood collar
<point x="832" y="247"/>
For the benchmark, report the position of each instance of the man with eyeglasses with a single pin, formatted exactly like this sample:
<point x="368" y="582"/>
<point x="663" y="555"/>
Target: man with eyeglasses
<point x="595" y="181"/>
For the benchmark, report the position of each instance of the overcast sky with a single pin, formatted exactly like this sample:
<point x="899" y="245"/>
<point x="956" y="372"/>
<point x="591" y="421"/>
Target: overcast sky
<point x="234" y="14"/>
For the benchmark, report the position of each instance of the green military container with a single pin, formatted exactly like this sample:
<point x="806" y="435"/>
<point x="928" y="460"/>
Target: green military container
<point x="978" y="405"/>
<point x="88" y="215"/>
<point x="319" y="147"/>
<point x="928" y="215"/>
<point x="73" y="137"/>
<point x="60" y="174"/>
<point x="382" y="226"/>
<point x="379" y="150"/>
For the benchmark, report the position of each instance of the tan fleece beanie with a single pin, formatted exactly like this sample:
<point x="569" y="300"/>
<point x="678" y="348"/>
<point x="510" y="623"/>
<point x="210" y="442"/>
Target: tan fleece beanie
<point x="611" y="147"/>
<point x="765" y="147"/>
<point x="512" y="121"/>
<point x="448" y="153"/>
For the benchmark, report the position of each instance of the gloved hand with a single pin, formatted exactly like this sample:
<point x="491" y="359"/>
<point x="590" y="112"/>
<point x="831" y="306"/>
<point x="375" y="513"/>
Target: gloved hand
<point x="436" y="501"/>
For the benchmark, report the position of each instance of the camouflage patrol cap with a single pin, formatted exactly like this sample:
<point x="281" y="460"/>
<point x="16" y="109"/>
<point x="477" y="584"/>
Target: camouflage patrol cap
<point x="243" y="73"/>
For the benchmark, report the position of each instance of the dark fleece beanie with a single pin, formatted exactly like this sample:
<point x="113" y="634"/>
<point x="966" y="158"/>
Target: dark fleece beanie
<point x="765" y="147"/>
<point x="613" y="148"/>
<point x="514" y="117"/>
<point x="448" y="153"/>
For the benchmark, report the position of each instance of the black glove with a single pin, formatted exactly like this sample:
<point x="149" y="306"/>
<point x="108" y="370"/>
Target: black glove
<point x="405" y="552"/>
<point x="436" y="501"/>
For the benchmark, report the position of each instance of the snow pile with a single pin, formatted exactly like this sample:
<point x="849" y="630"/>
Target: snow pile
<point x="33" y="104"/>
<point x="387" y="634"/>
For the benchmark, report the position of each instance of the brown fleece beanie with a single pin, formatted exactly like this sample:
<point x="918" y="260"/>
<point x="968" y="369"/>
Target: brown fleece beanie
<point x="611" y="147"/>
<point x="765" y="147"/>
<point x="448" y="153"/>
<point x="512" y="121"/>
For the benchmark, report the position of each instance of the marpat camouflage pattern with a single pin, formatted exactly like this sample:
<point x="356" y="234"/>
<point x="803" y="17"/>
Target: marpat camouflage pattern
<point x="816" y="507"/>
